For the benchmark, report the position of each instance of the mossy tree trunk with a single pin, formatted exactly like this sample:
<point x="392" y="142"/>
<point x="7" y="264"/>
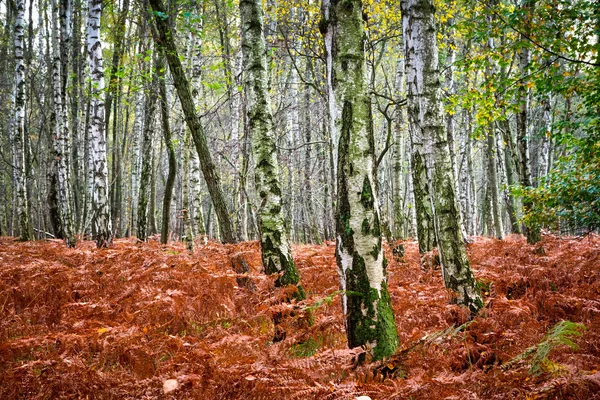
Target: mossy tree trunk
<point x="361" y="263"/>
<point x="100" y="208"/>
<point x="420" y="160"/>
<point x="425" y="105"/>
<point x="275" y="247"/>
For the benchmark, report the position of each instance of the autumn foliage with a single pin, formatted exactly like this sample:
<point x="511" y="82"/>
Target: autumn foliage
<point x="118" y="323"/>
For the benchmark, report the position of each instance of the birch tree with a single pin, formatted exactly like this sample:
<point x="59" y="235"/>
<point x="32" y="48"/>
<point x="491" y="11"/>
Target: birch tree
<point x="426" y="120"/>
<point x="275" y="247"/>
<point x="61" y="128"/>
<point x="18" y="133"/>
<point x="366" y="303"/>
<point x="100" y="207"/>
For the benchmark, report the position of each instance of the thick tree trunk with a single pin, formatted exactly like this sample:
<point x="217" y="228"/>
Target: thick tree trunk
<point x="425" y="105"/>
<point x="275" y="247"/>
<point x="100" y="208"/>
<point x="361" y="263"/>
<point x="211" y="176"/>
<point x="18" y="133"/>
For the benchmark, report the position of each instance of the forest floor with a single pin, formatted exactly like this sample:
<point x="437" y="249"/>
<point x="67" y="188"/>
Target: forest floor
<point x="138" y="320"/>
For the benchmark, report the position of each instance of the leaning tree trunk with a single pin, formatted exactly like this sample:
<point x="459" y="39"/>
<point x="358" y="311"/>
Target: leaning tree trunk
<point x="275" y="247"/>
<point x="100" y="210"/>
<point x="18" y="134"/>
<point x="211" y="176"/>
<point x="61" y="132"/>
<point x="361" y="263"/>
<point x="425" y="105"/>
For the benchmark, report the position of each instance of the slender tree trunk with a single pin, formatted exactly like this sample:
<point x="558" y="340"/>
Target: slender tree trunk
<point x="211" y="176"/>
<point x="188" y="237"/>
<point x="61" y="131"/>
<point x="420" y="143"/>
<point x="18" y="134"/>
<point x="531" y="232"/>
<point x="146" y="160"/>
<point x="100" y="207"/>
<point x="424" y="98"/>
<point x="359" y="255"/>
<point x="401" y="133"/>
<point x="492" y="181"/>
<point x="275" y="247"/>
<point x="164" y="111"/>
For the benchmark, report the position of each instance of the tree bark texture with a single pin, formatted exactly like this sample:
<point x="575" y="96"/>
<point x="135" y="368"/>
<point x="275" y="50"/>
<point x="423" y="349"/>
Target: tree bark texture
<point x="425" y="105"/>
<point x="100" y="207"/>
<point x="275" y="247"/>
<point x="361" y="262"/>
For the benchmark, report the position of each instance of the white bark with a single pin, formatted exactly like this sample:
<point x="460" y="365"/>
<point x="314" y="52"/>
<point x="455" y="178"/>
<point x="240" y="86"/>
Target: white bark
<point x="18" y="133"/>
<point x="61" y="131"/>
<point x="100" y="211"/>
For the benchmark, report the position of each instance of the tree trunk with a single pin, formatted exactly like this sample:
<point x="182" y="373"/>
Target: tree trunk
<point x="359" y="255"/>
<point x="146" y="159"/>
<point x="61" y="130"/>
<point x="213" y="181"/>
<point x="492" y="181"/>
<point x="164" y="111"/>
<point x="531" y="232"/>
<point x="401" y="133"/>
<point x="421" y="149"/>
<point x="100" y="207"/>
<point x="275" y="247"/>
<point x="188" y="235"/>
<point x="18" y="133"/>
<point x="425" y="105"/>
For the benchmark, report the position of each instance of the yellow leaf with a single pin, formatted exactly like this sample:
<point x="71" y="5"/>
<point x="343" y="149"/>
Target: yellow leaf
<point x="102" y="330"/>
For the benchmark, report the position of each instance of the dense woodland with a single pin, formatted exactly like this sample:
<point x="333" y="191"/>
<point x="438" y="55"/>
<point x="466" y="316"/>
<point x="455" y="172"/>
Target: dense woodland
<point x="350" y="126"/>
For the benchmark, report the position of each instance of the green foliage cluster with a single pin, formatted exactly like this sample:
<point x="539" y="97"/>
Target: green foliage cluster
<point x="561" y="334"/>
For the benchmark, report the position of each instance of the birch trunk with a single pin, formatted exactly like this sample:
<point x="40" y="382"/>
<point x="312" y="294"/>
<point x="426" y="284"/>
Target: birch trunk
<point x="359" y="254"/>
<point x="18" y="134"/>
<point x="100" y="208"/>
<point x="424" y="98"/>
<point x="275" y="247"/>
<point x="420" y="160"/>
<point x="401" y="133"/>
<point x="531" y="232"/>
<point x="146" y="161"/>
<point x="61" y="131"/>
